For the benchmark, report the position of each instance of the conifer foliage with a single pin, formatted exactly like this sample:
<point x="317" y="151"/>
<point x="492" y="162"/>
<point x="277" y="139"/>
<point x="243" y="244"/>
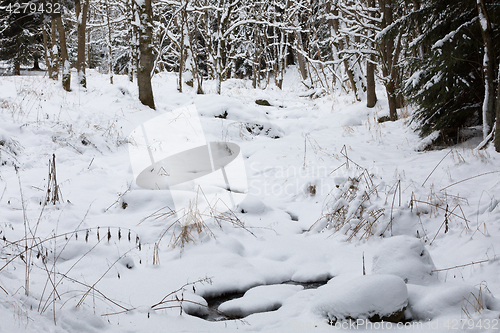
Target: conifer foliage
<point x="20" y="34"/>
<point x="446" y="74"/>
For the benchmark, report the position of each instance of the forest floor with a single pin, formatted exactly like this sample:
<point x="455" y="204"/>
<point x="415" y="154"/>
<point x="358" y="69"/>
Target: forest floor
<point x="332" y="194"/>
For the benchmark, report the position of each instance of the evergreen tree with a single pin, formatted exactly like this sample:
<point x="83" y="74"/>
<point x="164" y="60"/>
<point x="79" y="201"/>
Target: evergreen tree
<point x="20" y="33"/>
<point x="447" y="84"/>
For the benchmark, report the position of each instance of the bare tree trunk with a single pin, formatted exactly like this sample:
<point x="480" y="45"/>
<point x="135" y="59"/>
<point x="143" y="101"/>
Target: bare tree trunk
<point x="488" y="69"/>
<point x="66" y="74"/>
<point x="54" y="54"/>
<point x="219" y="55"/>
<point x="389" y="58"/>
<point x="110" y="50"/>
<point x="146" y="57"/>
<point x="17" y="67"/>
<point x="182" y="53"/>
<point x="81" y="18"/>
<point x="334" y="23"/>
<point x="298" y="42"/>
<point x="300" y="57"/>
<point x="47" y="52"/>
<point x="132" y="41"/>
<point x="192" y="48"/>
<point x="371" y="95"/>
<point x="497" y="132"/>
<point x="255" y="58"/>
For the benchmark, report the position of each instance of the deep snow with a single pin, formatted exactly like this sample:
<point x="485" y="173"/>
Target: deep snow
<point x="294" y="153"/>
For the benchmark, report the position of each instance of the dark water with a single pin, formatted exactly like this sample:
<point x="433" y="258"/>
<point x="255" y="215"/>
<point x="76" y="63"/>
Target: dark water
<point x="215" y="301"/>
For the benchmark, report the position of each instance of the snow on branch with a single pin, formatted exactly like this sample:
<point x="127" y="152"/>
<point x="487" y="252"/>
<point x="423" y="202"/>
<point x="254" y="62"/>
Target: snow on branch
<point x="452" y="34"/>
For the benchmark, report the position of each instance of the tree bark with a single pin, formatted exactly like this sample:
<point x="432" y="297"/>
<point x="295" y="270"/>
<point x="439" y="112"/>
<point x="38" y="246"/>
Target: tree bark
<point x="389" y="58"/>
<point x="36" y="61"/>
<point x="81" y="18"/>
<point x="192" y="48"/>
<point x="371" y="95"/>
<point x="66" y="74"/>
<point x="47" y="51"/>
<point x="17" y="67"/>
<point x="488" y="69"/>
<point x="146" y="57"/>
<point x="132" y="42"/>
<point x="339" y="47"/>
<point x="110" y="50"/>
<point x="497" y="132"/>
<point x="54" y="54"/>
<point x="182" y="53"/>
<point x="255" y="58"/>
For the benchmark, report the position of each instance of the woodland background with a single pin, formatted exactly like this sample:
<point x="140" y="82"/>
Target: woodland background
<point x="439" y="56"/>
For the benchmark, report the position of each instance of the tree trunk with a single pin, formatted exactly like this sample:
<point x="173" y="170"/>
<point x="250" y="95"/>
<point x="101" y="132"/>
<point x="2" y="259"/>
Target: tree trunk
<point x="36" y="61"/>
<point x="182" y="53"/>
<point x="146" y="57"/>
<point x="66" y="74"/>
<point x="488" y="69"/>
<point x="334" y="23"/>
<point x="17" y="67"/>
<point x="47" y="52"/>
<point x="110" y="50"/>
<point x="300" y="57"/>
<point x="389" y="58"/>
<point x="132" y="42"/>
<point x="497" y="132"/>
<point x="218" y="56"/>
<point x="371" y="95"/>
<point x="192" y="40"/>
<point x="255" y="57"/>
<point x="298" y="43"/>
<point x="81" y="18"/>
<point x="54" y="54"/>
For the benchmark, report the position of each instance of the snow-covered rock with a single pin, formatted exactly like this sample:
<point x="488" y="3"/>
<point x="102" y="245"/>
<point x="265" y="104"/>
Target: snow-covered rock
<point x="405" y="257"/>
<point x="374" y="297"/>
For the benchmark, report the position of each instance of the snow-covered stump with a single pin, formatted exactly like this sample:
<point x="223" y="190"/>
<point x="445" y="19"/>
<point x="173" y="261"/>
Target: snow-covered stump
<point x="380" y="297"/>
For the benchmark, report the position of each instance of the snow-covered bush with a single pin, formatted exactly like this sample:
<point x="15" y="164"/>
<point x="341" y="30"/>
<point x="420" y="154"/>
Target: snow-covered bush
<point x="351" y="209"/>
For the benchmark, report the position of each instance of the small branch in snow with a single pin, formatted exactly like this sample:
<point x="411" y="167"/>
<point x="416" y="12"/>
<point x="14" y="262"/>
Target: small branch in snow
<point x="464" y="265"/>
<point x="426" y="179"/>
<point x="463" y="180"/>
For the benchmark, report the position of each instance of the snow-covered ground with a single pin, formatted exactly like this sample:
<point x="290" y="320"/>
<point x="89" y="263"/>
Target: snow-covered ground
<point x="312" y="166"/>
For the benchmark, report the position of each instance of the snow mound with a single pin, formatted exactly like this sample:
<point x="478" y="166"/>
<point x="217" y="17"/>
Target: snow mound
<point x="374" y="297"/>
<point x="193" y="304"/>
<point x="259" y="299"/>
<point x="430" y="302"/>
<point x="405" y="257"/>
<point x="252" y="205"/>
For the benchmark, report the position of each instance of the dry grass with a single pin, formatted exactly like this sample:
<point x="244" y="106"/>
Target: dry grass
<point x="189" y="224"/>
<point x="474" y="303"/>
<point x="350" y="211"/>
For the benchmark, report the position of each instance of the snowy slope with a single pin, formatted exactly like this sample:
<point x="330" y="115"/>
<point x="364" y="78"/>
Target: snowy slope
<point x="301" y="157"/>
